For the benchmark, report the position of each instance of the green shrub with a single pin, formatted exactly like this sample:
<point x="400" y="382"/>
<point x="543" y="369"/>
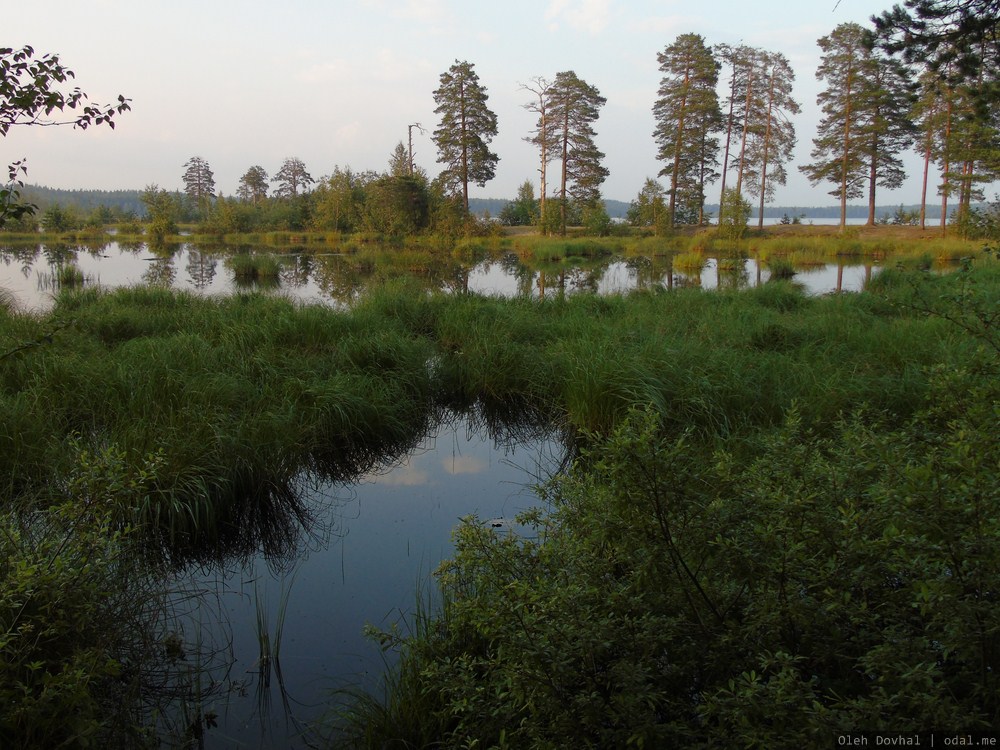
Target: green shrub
<point x="78" y="613"/>
<point x="771" y="593"/>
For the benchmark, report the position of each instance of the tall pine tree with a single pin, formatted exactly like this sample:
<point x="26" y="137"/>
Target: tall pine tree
<point x="864" y="125"/>
<point x="770" y="130"/>
<point x="467" y="127"/>
<point x="687" y="118"/>
<point x="574" y="106"/>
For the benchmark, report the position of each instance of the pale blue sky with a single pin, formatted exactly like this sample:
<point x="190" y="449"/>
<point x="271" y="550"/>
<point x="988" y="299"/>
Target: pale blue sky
<point x="337" y="83"/>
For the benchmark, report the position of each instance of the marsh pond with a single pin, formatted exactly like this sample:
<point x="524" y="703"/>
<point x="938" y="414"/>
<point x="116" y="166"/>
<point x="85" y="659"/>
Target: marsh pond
<point x="33" y="272"/>
<point x="273" y="614"/>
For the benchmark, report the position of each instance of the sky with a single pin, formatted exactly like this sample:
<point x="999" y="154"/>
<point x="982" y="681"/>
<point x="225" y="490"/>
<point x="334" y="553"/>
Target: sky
<point x="336" y="83"/>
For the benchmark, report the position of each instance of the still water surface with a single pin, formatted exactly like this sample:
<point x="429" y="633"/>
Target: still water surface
<point x="30" y="273"/>
<point x="366" y="559"/>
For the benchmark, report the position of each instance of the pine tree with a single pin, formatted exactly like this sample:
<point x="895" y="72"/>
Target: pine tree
<point x="399" y="161"/>
<point x="885" y="127"/>
<point x="687" y="117"/>
<point x="866" y="124"/>
<point x="199" y="182"/>
<point x="466" y="129"/>
<point x="253" y="185"/>
<point x="841" y="149"/>
<point x="771" y="132"/>
<point x="575" y="105"/>
<point x="291" y="178"/>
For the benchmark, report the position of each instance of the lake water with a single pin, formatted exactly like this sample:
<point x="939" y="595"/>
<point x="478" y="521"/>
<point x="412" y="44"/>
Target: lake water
<point x="369" y="553"/>
<point x="30" y="273"/>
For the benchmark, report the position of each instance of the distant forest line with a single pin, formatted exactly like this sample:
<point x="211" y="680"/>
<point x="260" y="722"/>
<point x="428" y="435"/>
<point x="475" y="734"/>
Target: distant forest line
<point x="127" y="201"/>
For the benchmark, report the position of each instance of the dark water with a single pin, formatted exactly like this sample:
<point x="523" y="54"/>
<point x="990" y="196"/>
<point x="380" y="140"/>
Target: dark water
<point x="366" y="560"/>
<point x="30" y="273"/>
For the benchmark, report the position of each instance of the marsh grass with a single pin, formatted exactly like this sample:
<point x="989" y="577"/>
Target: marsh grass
<point x="238" y="396"/>
<point x="63" y="276"/>
<point x="540" y="249"/>
<point x="781" y="268"/>
<point x="255" y="268"/>
<point x="690" y="261"/>
<point x="209" y="410"/>
<point x="401" y="710"/>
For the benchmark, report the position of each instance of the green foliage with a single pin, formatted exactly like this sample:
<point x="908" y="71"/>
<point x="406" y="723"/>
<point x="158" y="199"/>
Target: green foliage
<point x="808" y="581"/>
<point x="57" y="219"/>
<point x="733" y="215"/>
<point x="702" y="579"/>
<point x="161" y="208"/>
<point x="978" y="223"/>
<point x="292" y="178"/>
<point x="523" y="210"/>
<point x="77" y="611"/>
<point x="29" y="94"/>
<point x="649" y="209"/>
<point x="595" y="220"/>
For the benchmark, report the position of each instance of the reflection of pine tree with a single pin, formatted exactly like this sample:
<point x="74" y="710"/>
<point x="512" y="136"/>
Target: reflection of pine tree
<point x="161" y="272"/>
<point x="201" y="268"/>
<point x="296" y="270"/>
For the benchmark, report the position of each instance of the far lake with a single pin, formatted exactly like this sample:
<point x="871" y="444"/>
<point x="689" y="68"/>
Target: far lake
<point x="320" y="275"/>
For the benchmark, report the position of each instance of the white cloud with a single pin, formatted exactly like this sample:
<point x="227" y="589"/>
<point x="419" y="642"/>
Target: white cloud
<point x="591" y="16"/>
<point x="464" y="465"/>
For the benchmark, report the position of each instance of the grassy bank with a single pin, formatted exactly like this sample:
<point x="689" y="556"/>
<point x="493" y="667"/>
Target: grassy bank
<point x="213" y="408"/>
<point x="247" y="391"/>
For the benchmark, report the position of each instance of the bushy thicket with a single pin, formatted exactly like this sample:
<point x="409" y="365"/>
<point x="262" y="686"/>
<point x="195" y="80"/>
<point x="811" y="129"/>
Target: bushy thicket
<point x="769" y="587"/>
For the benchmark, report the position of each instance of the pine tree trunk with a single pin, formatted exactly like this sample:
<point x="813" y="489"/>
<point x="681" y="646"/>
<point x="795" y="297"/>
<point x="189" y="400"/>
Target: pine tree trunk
<point x="729" y="136"/>
<point x="465" y="150"/>
<point x="746" y="127"/>
<point x="767" y="145"/>
<point x="847" y="150"/>
<point x="923" y="188"/>
<point x="872" y="176"/>
<point x="677" y="148"/>
<point x="946" y="167"/>
<point x="565" y="170"/>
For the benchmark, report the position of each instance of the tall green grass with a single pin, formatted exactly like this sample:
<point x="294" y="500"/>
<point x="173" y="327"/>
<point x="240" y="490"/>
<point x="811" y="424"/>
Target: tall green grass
<point x="255" y="268"/>
<point x="241" y="395"/>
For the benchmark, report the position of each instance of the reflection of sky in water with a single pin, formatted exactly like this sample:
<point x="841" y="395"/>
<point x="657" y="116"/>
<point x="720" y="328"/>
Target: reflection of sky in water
<point x="384" y="536"/>
<point x="334" y="279"/>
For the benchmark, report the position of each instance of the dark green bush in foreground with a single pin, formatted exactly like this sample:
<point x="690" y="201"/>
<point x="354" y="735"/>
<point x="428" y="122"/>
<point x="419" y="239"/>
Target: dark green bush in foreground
<point x="80" y="615"/>
<point x="803" y="585"/>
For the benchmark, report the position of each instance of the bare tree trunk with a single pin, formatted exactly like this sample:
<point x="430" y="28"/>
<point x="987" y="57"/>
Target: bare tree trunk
<point x="767" y="144"/>
<point x="746" y="127"/>
<point x="923" y="188"/>
<point x="847" y="148"/>
<point x="729" y="136"/>
<point x="565" y="170"/>
<point x="465" y="151"/>
<point x="945" y="168"/>
<point x="872" y="176"/>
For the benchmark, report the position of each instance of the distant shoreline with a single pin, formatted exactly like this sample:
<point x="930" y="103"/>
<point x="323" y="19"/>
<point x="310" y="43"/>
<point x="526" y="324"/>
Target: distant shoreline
<point x="87" y="200"/>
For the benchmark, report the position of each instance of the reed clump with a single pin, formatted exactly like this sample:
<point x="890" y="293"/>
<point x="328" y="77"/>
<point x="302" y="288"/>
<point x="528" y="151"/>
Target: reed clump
<point x="691" y="261"/>
<point x="255" y="268"/>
